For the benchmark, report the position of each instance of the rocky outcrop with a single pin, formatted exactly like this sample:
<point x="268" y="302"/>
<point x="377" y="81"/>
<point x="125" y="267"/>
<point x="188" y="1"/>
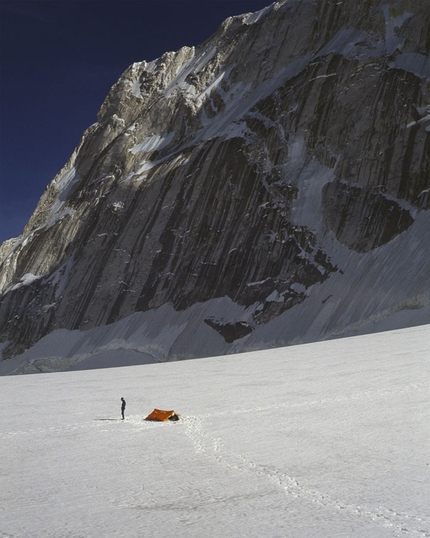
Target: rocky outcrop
<point x="285" y="155"/>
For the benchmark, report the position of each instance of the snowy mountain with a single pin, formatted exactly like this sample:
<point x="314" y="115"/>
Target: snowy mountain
<point x="268" y="187"/>
<point x="320" y="440"/>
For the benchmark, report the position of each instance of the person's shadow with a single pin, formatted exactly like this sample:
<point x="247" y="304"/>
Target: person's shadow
<point x="114" y="419"/>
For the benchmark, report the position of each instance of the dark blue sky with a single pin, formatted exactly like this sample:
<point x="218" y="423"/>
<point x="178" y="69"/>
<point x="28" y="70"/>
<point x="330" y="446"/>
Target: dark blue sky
<point x="58" y="62"/>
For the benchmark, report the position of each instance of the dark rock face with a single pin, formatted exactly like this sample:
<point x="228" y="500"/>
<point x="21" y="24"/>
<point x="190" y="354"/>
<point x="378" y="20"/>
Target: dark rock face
<point x="230" y="331"/>
<point x="361" y="219"/>
<point x="225" y="172"/>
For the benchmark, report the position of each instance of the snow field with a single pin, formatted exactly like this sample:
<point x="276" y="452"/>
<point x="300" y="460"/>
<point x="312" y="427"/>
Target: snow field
<point x="318" y="440"/>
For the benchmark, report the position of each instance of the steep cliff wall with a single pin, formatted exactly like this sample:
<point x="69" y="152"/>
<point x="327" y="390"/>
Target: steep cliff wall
<point x="268" y="187"/>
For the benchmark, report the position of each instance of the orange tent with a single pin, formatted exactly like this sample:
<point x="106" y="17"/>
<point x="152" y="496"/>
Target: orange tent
<point x="162" y="416"/>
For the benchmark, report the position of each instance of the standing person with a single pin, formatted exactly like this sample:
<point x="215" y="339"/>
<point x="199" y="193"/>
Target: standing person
<point x="123" y="404"/>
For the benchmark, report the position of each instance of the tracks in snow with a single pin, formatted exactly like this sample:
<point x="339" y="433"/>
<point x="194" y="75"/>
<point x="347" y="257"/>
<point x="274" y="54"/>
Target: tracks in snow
<point x="401" y="524"/>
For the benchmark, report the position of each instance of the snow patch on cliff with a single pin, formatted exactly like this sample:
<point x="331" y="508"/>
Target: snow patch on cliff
<point x="152" y="143"/>
<point x="252" y="18"/>
<point x="393" y="21"/>
<point x="310" y="180"/>
<point x="26" y="280"/>
<point x="414" y="63"/>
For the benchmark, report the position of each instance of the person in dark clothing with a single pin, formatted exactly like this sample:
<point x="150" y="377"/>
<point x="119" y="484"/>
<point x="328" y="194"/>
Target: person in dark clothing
<point x="123" y="404"/>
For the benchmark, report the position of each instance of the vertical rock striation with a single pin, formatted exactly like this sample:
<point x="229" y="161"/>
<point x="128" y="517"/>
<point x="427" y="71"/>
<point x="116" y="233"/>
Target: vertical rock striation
<point x="252" y="186"/>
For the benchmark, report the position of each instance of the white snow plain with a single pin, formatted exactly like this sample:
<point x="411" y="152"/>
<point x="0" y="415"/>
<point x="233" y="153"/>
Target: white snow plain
<point x="312" y="441"/>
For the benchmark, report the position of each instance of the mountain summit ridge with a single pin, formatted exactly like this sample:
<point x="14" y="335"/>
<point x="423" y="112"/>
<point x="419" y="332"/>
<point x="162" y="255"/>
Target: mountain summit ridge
<point x="267" y="187"/>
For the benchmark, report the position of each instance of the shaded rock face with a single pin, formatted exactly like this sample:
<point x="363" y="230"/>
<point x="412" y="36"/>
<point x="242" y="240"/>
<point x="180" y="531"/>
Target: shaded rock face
<point x="360" y="218"/>
<point x="229" y="170"/>
<point x="230" y="331"/>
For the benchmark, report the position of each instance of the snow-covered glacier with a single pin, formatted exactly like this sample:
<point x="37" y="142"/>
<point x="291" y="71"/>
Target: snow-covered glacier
<point x="324" y="439"/>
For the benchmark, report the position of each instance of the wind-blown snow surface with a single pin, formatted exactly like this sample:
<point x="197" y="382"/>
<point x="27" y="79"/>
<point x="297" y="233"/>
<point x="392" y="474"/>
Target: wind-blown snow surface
<point x="318" y="440"/>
